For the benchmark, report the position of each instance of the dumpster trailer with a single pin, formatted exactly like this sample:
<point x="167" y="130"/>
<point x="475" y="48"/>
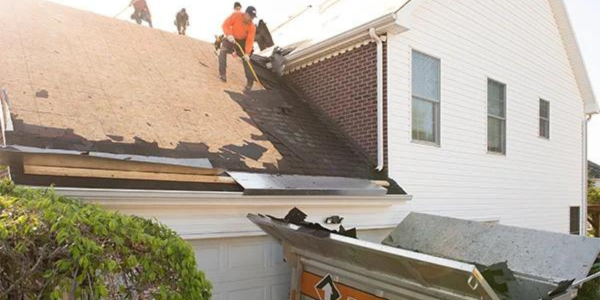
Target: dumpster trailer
<point x="431" y="257"/>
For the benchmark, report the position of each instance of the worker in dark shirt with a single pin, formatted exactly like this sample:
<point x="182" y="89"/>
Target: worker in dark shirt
<point x="237" y="7"/>
<point x="141" y="12"/>
<point x="182" y="21"/>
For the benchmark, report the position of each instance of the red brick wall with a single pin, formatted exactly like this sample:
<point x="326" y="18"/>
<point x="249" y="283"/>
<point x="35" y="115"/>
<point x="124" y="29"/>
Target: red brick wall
<point x="344" y="89"/>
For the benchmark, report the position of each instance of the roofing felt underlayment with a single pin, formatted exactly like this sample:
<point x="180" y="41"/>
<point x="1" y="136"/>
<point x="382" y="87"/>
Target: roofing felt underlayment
<point x="80" y="81"/>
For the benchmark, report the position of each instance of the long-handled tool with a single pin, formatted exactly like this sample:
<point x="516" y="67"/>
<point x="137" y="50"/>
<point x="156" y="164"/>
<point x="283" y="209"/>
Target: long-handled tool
<point x="117" y="15"/>
<point x="249" y="65"/>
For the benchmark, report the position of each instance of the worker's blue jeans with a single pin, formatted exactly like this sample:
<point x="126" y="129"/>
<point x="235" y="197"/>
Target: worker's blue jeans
<point x="228" y="48"/>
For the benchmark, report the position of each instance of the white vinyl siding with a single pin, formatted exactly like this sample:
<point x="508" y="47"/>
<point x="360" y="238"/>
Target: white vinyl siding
<point x="425" y="98"/>
<point x="518" y="43"/>
<point x="496" y="117"/>
<point x="544" y="119"/>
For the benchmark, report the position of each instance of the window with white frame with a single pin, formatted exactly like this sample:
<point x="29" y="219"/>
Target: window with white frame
<point x="496" y="117"/>
<point x="426" y="97"/>
<point x="544" y="119"/>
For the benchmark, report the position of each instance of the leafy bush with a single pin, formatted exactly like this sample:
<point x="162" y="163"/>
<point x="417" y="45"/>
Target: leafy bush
<point x="52" y="247"/>
<point x="590" y="290"/>
<point x="593" y="195"/>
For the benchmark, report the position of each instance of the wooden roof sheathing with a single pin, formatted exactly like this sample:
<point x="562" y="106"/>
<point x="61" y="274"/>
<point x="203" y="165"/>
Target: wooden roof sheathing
<point x="80" y="81"/>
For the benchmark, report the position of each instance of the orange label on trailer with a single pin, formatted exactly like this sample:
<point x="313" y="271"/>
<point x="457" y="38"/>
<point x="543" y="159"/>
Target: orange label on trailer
<point x="324" y="288"/>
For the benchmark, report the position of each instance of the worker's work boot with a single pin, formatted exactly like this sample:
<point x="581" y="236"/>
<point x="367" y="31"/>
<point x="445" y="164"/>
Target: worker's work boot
<point x="248" y="87"/>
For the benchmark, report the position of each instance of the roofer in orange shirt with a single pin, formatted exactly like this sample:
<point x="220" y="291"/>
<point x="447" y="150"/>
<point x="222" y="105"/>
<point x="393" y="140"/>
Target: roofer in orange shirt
<point x="238" y="28"/>
<point x="141" y="12"/>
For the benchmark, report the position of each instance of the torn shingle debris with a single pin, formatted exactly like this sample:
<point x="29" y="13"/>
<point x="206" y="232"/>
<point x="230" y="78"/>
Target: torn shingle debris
<point x="510" y="287"/>
<point x="297" y="217"/>
<point x="334" y="220"/>
<point x="42" y="94"/>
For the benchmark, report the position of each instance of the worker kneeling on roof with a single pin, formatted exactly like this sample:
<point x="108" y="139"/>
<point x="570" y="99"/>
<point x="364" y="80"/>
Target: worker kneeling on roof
<point x="239" y="29"/>
<point x="141" y="12"/>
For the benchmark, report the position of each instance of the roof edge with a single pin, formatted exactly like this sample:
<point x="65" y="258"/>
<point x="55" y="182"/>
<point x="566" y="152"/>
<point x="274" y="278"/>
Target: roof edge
<point x="384" y="24"/>
<point x="116" y="197"/>
<point x="563" y="21"/>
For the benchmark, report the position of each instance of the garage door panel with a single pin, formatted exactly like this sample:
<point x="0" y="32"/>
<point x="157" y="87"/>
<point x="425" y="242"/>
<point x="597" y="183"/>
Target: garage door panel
<point x="281" y="291"/>
<point x="208" y="258"/>
<point x="244" y="267"/>
<point x="276" y="254"/>
<point x="248" y="294"/>
<point x="265" y="288"/>
<point x="247" y="256"/>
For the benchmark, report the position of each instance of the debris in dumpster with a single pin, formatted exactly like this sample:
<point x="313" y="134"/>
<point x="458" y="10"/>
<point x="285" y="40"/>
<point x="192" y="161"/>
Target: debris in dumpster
<point x="562" y="287"/>
<point x="297" y="217"/>
<point x="541" y="263"/>
<point x="334" y="220"/>
<point x="364" y="270"/>
<point x="500" y="277"/>
<point x="504" y="282"/>
<point x="434" y="257"/>
<point x="347" y="233"/>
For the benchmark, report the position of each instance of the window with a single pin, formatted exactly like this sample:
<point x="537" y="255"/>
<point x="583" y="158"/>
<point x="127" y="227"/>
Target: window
<point x="425" y="98"/>
<point x="496" y="117"/>
<point x="544" y="119"/>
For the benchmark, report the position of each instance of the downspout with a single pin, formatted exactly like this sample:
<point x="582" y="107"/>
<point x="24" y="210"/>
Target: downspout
<point x="379" y="42"/>
<point x="583" y="212"/>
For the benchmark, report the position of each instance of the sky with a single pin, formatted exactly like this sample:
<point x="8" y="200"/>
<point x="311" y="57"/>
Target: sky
<point x="207" y="16"/>
<point x="584" y="16"/>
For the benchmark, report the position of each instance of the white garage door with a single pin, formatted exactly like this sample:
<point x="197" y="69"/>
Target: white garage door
<point x="244" y="268"/>
<point x="251" y="268"/>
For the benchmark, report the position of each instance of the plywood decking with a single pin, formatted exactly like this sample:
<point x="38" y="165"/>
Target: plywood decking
<point x="117" y="87"/>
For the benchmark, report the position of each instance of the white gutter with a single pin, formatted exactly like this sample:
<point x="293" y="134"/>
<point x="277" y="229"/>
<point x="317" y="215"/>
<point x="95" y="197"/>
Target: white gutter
<point x="163" y="198"/>
<point x="583" y="212"/>
<point x="375" y="37"/>
<point x="386" y="23"/>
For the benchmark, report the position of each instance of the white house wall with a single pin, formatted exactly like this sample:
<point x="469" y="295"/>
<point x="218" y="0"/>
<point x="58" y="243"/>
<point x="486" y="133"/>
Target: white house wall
<point x="517" y="43"/>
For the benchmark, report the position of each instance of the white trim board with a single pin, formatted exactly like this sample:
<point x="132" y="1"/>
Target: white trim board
<point x="161" y="198"/>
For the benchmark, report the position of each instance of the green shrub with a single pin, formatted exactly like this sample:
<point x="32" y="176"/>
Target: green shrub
<point x="590" y="290"/>
<point x="594" y="195"/>
<point x="52" y="247"/>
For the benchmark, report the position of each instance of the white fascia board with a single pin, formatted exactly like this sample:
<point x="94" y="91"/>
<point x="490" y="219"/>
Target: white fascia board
<point x="404" y="14"/>
<point x="160" y="198"/>
<point x="571" y="45"/>
<point x="592" y="108"/>
<point x="383" y="24"/>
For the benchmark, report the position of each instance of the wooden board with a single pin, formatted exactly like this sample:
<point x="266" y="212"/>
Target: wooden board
<point x="120" y="174"/>
<point x="94" y="162"/>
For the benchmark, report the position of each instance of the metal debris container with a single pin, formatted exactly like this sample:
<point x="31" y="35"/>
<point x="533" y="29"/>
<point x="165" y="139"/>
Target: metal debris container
<point x="430" y="257"/>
